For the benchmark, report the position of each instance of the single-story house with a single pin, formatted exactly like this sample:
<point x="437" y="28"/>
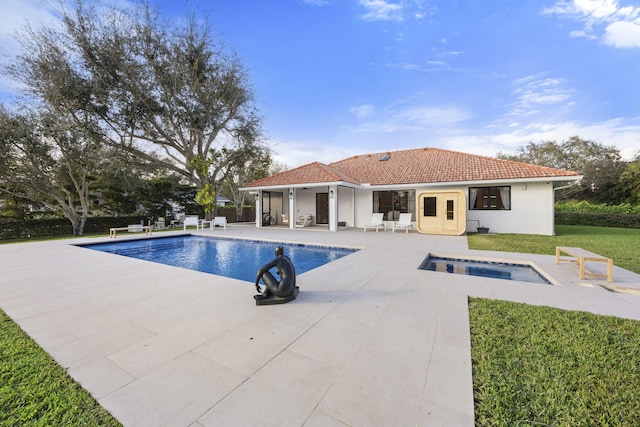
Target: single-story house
<point x="222" y="201"/>
<point x="447" y="192"/>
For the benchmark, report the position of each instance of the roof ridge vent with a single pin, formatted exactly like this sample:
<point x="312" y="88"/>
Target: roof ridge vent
<point x="385" y="157"/>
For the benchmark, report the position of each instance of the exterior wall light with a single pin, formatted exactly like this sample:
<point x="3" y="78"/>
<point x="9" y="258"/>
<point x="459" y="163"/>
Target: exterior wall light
<point x="290" y="194"/>
<point x="331" y="194"/>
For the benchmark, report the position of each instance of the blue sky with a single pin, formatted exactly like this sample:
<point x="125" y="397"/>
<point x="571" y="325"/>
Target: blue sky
<point x="335" y="78"/>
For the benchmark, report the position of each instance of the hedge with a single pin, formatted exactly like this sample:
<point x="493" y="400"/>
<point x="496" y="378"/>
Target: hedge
<point x="584" y="206"/>
<point x="599" y="219"/>
<point x="61" y="227"/>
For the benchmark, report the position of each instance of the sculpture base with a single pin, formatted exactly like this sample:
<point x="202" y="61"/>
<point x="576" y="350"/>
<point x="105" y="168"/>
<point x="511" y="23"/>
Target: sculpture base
<point x="272" y="299"/>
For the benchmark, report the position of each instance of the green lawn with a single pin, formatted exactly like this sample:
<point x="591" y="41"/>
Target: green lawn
<point x="36" y="391"/>
<point x="620" y="244"/>
<point x="541" y="366"/>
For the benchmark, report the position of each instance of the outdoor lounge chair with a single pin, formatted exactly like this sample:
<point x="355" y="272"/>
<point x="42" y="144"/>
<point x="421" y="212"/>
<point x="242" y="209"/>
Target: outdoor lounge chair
<point x="285" y="219"/>
<point x="303" y="221"/>
<point x="404" y="223"/>
<point x="191" y="220"/>
<point x="376" y="222"/>
<point x="219" y="220"/>
<point x="160" y="224"/>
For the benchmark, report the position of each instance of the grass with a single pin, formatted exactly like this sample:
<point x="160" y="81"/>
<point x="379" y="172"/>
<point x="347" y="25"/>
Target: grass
<point x="36" y="391"/>
<point x="541" y="366"/>
<point x="620" y="244"/>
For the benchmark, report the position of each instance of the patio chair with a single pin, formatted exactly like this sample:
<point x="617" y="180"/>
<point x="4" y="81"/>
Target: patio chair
<point x="404" y="223"/>
<point x="376" y="222"/>
<point x="303" y="221"/>
<point x="191" y="220"/>
<point x="160" y="224"/>
<point x="285" y="219"/>
<point x="219" y="220"/>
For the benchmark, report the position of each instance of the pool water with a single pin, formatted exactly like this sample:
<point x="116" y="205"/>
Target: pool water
<point x="496" y="270"/>
<point x="238" y="259"/>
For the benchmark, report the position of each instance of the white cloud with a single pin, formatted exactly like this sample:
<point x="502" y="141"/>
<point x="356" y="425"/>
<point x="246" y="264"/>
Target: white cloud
<point x="362" y="110"/>
<point x="582" y="33"/>
<point x="316" y="2"/>
<point x="534" y="91"/>
<point x="407" y="130"/>
<point x="16" y="14"/>
<point x="597" y="8"/>
<point x="430" y="116"/>
<point x="415" y="119"/>
<point x="381" y="10"/>
<point x="403" y="66"/>
<point x="622" y="134"/>
<point x="396" y="10"/>
<point x="623" y="34"/>
<point x="602" y="19"/>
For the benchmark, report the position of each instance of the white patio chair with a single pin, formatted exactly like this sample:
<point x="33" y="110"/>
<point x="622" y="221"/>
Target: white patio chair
<point x="404" y="223"/>
<point x="303" y="221"/>
<point x="376" y="222"/>
<point x="219" y="220"/>
<point x="191" y="220"/>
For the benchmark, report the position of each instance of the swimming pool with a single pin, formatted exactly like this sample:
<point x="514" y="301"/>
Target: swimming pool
<point x="484" y="268"/>
<point x="235" y="258"/>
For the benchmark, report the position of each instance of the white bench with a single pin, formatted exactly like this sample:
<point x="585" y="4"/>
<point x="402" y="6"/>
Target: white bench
<point x="580" y="257"/>
<point x="132" y="228"/>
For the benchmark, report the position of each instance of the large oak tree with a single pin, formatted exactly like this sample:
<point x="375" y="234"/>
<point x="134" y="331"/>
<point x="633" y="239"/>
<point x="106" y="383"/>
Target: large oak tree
<point x="163" y="91"/>
<point x="600" y="165"/>
<point x="50" y="162"/>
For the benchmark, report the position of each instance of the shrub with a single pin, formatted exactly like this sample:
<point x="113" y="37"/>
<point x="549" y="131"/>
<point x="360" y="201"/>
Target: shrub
<point x="582" y="212"/>
<point x="584" y="206"/>
<point x="598" y="219"/>
<point x="61" y="227"/>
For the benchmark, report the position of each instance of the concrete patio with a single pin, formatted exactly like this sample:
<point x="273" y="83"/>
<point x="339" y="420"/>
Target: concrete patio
<point x="370" y="341"/>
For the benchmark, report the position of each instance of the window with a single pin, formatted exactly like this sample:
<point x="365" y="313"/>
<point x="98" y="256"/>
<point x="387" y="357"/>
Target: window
<point x="430" y="206"/>
<point x="490" y="198"/>
<point x="449" y="210"/>
<point x="392" y="203"/>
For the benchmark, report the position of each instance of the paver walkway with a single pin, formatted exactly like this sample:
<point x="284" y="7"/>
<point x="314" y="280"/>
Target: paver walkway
<point x="370" y="341"/>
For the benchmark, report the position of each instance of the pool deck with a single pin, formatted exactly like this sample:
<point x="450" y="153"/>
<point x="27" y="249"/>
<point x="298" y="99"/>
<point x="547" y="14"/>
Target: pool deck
<point x="370" y="341"/>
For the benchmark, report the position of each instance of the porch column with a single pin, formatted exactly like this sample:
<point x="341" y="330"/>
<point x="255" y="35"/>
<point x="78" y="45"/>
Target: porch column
<point x="259" y="209"/>
<point x="292" y="208"/>
<point x="333" y="208"/>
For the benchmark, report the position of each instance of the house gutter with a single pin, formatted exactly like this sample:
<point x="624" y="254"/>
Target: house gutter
<point x="568" y="185"/>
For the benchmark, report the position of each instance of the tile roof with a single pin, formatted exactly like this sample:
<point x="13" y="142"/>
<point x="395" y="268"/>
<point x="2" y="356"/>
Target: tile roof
<point x="417" y="166"/>
<point x="315" y="172"/>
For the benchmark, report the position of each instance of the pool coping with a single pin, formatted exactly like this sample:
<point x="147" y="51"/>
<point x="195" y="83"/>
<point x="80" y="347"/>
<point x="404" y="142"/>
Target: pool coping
<point x="512" y="261"/>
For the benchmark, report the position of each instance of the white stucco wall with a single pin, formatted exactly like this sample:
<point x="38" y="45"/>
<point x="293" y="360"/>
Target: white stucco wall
<point x="345" y="206"/>
<point x="364" y="206"/>
<point x="531" y="209"/>
<point x="305" y="203"/>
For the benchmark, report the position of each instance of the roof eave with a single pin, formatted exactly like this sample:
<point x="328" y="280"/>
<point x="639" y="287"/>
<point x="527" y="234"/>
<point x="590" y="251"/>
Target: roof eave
<point x="474" y="182"/>
<point x="510" y="180"/>
<point x="304" y="185"/>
